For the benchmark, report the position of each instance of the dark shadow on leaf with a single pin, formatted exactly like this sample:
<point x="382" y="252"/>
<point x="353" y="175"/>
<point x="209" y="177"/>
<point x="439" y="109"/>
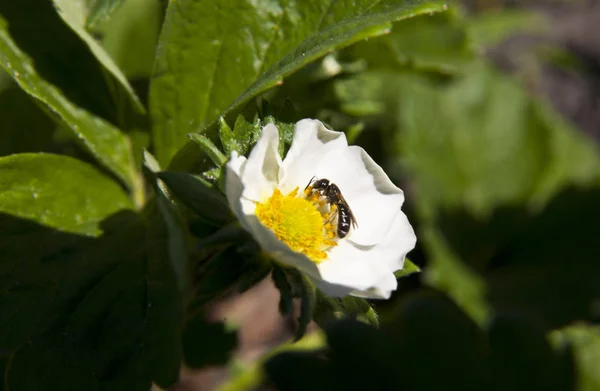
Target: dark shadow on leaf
<point x="207" y="343"/>
<point x="81" y="312"/>
<point x="61" y="57"/>
<point x="25" y="127"/>
<point x="540" y="265"/>
<point x="429" y="344"/>
<point x="299" y="371"/>
<point x="522" y="358"/>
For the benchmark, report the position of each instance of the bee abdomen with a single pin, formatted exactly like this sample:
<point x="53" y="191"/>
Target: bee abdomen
<point x="344" y="222"/>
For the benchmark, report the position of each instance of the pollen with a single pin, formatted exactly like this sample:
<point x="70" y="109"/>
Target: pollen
<point x="302" y="222"/>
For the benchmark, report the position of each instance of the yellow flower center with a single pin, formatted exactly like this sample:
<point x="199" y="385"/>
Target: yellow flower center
<point x="303" y="223"/>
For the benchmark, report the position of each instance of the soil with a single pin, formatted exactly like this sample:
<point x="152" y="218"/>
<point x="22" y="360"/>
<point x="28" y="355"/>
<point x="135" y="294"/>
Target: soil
<point x="573" y="90"/>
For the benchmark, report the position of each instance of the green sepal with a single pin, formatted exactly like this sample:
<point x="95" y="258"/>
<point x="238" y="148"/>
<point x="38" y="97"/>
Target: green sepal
<point x="215" y="176"/>
<point x="283" y="117"/>
<point x="303" y="288"/>
<point x="286" y="134"/>
<point x="264" y="108"/>
<point x="288" y="112"/>
<point x="243" y="136"/>
<point x="327" y="309"/>
<point x="371" y="317"/>
<point x="258" y="268"/>
<point x="285" y="289"/>
<point x="227" y="137"/>
<point x="246" y="133"/>
<point x="207" y="203"/>
<point x="211" y="150"/>
<point x="408" y="269"/>
<point x="307" y="307"/>
<point x="361" y="309"/>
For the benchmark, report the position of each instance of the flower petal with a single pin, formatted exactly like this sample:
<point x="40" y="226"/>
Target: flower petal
<point x="261" y="171"/>
<point x="352" y="268"/>
<point x="332" y="289"/>
<point x="371" y="195"/>
<point x="312" y="141"/>
<point x="233" y="184"/>
<point x="389" y="255"/>
<point x="399" y="241"/>
<point x="382" y="290"/>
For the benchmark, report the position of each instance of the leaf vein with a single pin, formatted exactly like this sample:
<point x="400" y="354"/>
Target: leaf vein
<point x="211" y="81"/>
<point x="322" y="19"/>
<point x="271" y="39"/>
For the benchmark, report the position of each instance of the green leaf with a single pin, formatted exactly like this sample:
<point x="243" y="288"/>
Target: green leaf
<point x="436" y="43"/>
<point x="99" y="312"/>
<point x="167" y="268"/>
<point x="112" y="322"/>
<point x="354" y="131"/>
<point x="208" y="203"/>
<point x="230" y="70"/>
<point x="46" y="82"/>
<point x="489" y="119"/>
<point x="489" y="149"/>
<point x="430" y="344"/>
<point x="253" y="375"/>
<point x="99" y="11"/>
<point x="408" y="269"/>
<point x="58" y="192"/>
<point x="207" y="146"/>
<point x="585" y="342"/>
<point x="433" y="148"/>
<point x="175" y="233"/>
<point x="490" y="28"/>
<point x="448" y="273"/>
<point x="76" y="14"/>
<point x="131" y="34"/>
<point x="523" y="359"/>
<point x="168" y="282"/>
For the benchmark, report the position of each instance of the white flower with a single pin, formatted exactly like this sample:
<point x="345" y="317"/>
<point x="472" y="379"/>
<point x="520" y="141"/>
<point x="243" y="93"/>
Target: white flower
<point x="298" y="228"/>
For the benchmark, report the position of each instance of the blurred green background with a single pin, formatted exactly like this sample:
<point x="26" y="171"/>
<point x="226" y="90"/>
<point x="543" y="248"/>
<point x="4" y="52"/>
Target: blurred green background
<point x="487" y="115"/>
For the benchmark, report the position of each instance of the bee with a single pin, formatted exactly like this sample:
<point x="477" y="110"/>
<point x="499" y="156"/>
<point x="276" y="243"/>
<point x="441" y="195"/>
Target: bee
<point x="334" y="197"/>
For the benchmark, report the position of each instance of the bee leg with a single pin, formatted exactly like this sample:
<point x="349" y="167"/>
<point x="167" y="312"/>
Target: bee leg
<point x="331" y="214"/>
<point x="310" y="182"/>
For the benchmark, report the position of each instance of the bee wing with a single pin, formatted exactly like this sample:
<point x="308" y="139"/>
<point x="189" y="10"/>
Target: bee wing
<point x="343" y="201"/>
<point x="354" y="222"/>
